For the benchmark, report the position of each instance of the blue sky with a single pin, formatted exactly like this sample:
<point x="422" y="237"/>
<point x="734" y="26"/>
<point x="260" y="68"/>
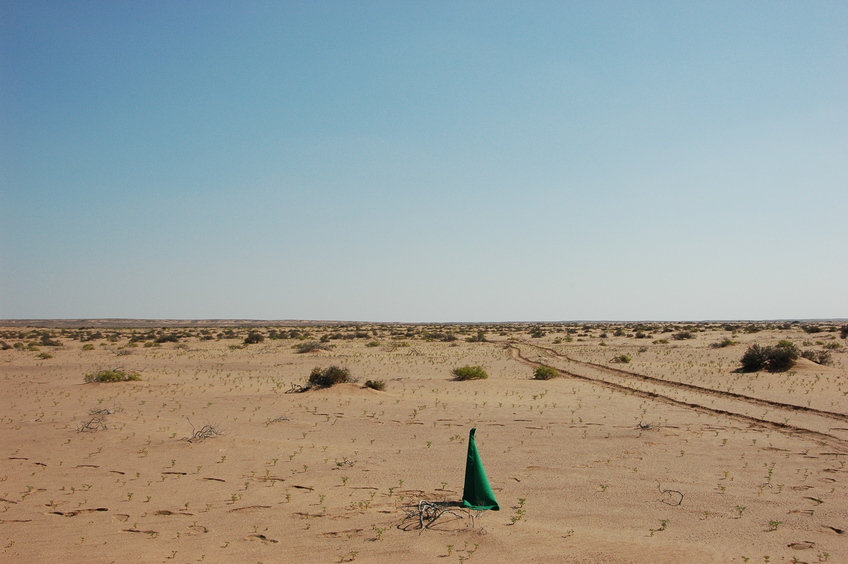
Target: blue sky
<point x="423" y="161"/>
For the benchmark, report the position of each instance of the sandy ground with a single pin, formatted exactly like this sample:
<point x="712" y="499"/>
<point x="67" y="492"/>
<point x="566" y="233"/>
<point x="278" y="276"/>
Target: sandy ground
<point x="673" y="457"/>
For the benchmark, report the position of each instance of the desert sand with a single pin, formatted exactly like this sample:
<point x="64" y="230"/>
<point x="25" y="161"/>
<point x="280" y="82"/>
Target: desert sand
<point x="671" y="457"/>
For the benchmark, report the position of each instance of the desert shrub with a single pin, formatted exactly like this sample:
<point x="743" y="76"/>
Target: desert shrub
<point x="45" y="356"/>
<point x="843" y="332"/>
<point x="311" y="346"/>
<point x="782" y="356"/>
<point x="811" y="328"/>
<point x="254" y="338"/>
<point x="819" y="357"/>
<point x="723" y="343"/>
<point x="438" y="336"/>
<point x="5" y="346"/>
<point x="661" y="342"/>
<point x="778" y="358"/>
<point x="115" y="375"/>
<point x="372" y="344"/>
<point x="641" y="335"/>
<point x="470" y="373"/>
<point x="621" y="359"/>
<point x="375" y="384"/>
<point x="545" y="373"/>
<point x="755" y="358"/>
<point x="683" y="335"/>
<point x="324" y="378"/>
<point x="619" y="332"/>
<point x="834" y="345"/>
<point x="167" y="339"/>
<point x="537" y="332"/>
<point x="47" y="341"/>
<point x="480" y="338"/>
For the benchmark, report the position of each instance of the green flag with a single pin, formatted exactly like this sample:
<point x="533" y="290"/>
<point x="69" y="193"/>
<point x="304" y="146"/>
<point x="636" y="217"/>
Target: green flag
<point x="478" y="493"/>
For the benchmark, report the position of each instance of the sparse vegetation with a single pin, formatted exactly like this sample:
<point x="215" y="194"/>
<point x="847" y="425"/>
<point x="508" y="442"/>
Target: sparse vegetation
<point x="379" y="385"/>
<point x="311" y="346"/>
<point x="621" y="359"/>
<point x="470" y="373"/>
<point x="722" y="344"/>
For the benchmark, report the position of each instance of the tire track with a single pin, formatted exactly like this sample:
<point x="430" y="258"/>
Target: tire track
<point x="817" y="423"/>
<point x="694" y="388"/>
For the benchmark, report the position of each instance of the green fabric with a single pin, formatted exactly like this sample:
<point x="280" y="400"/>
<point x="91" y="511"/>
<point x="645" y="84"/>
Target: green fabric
<point x="478" y="493"/>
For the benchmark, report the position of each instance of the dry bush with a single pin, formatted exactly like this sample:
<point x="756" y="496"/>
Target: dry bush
<point x="113" y="375"/>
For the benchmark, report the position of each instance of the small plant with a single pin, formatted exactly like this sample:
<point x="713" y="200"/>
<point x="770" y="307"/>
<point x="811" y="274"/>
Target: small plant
<point x="621" y="359"/>
<point x="663" y="527"/>
<point x="683" y="335"/>
<point x="44" y="356"/>
<point x="379" y="385"/>
<point x="329" y="376"/>
<point x="519" y="515"/>
<point x="115" y="375"/>
<point x="773" y="525"/>
<point x="470" y="373"/>
<point x="723" y="343"/>
<point x="545" y="373"/>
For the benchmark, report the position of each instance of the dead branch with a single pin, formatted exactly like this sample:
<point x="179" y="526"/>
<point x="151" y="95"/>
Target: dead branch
<point x="296" y="389"/>
<point x="668" y="493"/>
<point x="206" y="432"/>
<point x="96" y="423"/>
<point x="428" y="513"/>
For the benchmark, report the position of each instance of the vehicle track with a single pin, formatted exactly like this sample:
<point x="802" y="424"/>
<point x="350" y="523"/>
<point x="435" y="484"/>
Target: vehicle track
<point x="805" y="421"/>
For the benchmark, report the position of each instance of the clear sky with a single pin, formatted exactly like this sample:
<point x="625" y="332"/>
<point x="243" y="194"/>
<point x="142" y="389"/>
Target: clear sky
<point x="424" y="161"/>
